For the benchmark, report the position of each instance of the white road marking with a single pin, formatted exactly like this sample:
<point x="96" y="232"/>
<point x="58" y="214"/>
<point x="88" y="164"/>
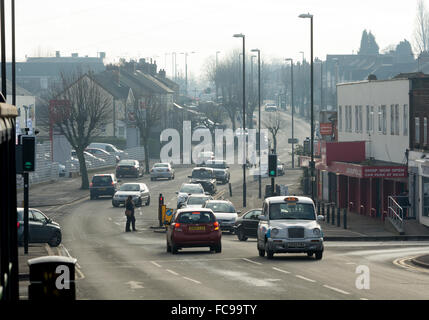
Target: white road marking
<point x="156" y="264"/>
<point x="135" y="285"/>
<point x="363" y="299"/>
<point x="336" y="289"/>
<point x="304" y="278"/>
<point x="248" y="260"/>
<point x="192" y="280"/>
<point x="110" y="219"/>
<point x="281" y="270"/>
<point x="172" y="272"/>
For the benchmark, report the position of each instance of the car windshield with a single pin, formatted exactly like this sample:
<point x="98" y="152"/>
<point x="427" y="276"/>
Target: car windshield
<point x="216" y="165"/>
<point x="102" y="179"/>
<point x="202" y="174"/>
<point x="197" y="200"/>
<point x="161" y="165"/>
<point x="126" y="163"/>
<point x="292" y="210"/>
<point x="191" y="189"/>
<point x="130" y="187"/>
<point x="220" y="207"/>
<point x="195" y="217"/>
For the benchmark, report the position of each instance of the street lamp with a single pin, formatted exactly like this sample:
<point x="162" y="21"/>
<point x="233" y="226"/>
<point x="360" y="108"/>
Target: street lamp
<point x="292" y="110"/>
<point x="186" y="70"/>
<point x="217" y="91"/>
<point x="310" y="16"/>
<point x="244" y="115"/>
<point x="259" y="119"/>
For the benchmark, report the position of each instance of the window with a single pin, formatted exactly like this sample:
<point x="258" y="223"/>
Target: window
<point x="397" y="119"/>
<point x="360" y="119"/>
<point x="384" y="118"/>
<point x="356" y="118"/>
<point x="405" y="120"/>
<point x="417" y="132"/>
<point x="340" y="118"/>
<point x="380" y="128"/>
<point x="368" y="117"/>
<point x="371" y="122"/>
<point x="425" y="131"/>
<point x="392" y="119"/>
<point x="425" y="212"/>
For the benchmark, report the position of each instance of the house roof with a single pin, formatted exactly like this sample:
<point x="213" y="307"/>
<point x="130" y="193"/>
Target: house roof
<point x="108" y="80"/>
<point x="19" y="90"/>
<point x="141" y="82"/>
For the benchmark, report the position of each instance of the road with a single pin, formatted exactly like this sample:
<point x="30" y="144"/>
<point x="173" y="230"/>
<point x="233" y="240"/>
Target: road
<point x="113" y="264"/>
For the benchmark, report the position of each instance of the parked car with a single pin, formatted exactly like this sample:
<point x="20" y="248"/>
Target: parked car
<point x="110" y="148"/>
<point x="186" y="190"/>
<point x="102" y="185"/>
<point x="246" y="225"/>
<point x="89" y="158"/>
<point x="161" y="171"/>
<point x="280" y="168"/>
<point x="61" y="170"/>
<point x="220" y="169"/>
<point x="139" y="192"/>
<point x="41" y="229"/>
<point x="190" y="228"/>
<point x="129" y="168"/>
<point x="100" y="153"/>
<point x="196" y="200"/>
<point x="206" y="177"/>
<point x="225" y="213"/>
<point x="271" y="107"/>
<point x="289" y="224"/>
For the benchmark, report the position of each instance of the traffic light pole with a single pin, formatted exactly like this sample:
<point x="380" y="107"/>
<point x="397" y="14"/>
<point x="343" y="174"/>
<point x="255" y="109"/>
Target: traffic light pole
<point x="25" y="175"/>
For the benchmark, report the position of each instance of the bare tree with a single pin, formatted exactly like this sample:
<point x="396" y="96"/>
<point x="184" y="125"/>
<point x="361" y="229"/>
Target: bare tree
<point x="82" y="112"/>
<point x="421" y="31"/>
<point x="147" y="112"/>
<point x="273" y="122"/>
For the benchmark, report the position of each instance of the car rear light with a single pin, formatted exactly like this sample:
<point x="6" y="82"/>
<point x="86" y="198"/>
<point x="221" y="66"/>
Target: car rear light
<point x="176" y="225"/>
<point x="216" y="225"/>
<point x="90" y="184"/>
<point x="113" y="183"/>
<point x="17" y="225"/>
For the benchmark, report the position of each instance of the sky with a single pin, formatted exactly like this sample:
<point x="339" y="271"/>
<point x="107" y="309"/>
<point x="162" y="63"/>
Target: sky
<point x="144" y="29"/>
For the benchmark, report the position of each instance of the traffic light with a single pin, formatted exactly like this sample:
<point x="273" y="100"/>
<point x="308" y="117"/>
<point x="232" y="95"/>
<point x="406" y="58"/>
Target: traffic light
<point x="28" y="153"/>
<point x="272" y="165"/>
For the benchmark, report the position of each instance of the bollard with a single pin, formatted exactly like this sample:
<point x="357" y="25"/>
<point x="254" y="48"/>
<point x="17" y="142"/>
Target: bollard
<point x="318" y="208"/>
<point x="230" y="189"/>
<point x="338" y="217"/>
<point x="160" y="203"/>
<point x="323" y="209"/>
<point x="328" y="216"/>
<point x="345" y="218"/>
<point x="333" y="215"/>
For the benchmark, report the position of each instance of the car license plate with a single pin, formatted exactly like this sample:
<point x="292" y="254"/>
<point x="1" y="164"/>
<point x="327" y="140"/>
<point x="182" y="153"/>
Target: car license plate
<point x="296" y="245"/>
<point x="199" y="228"/>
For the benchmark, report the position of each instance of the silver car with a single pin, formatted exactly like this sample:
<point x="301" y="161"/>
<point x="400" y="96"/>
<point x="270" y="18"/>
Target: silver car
<point x="197" y="200"/>
<point x="289" y="224"/>
<point x="225" y="213"/>
<point x="139" y="192"/>
<point x="186" y="190"/>
<point x="161" y="171"/>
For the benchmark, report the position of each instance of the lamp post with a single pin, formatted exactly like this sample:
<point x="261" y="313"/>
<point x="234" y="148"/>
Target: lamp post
<point x="244" y="115"/>
<point x="292" y="110"/>
<point x="186" y="70"/>
<point x="310" y="16"/>
<point x="217" y="89"/>
<point x="259" y="120"/>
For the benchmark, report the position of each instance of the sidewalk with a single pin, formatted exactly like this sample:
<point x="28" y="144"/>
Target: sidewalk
<point x="34" y="251"/>
<point x="421" y="261"/>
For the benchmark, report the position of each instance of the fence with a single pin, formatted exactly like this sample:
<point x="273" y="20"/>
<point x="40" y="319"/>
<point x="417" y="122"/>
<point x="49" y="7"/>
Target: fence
<point x="47" y="170"/>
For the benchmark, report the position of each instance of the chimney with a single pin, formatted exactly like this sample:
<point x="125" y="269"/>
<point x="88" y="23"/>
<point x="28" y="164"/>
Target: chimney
<point x="162" y="73"/>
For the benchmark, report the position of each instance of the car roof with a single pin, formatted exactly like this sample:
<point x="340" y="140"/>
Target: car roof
<point x="202" y="168"/>
<point x="199" y="195"/>
<point x="103" y="174"/>
<point x="219" y="201"/>
<point x="193" y="210"/>
<point x="281" y="199"/>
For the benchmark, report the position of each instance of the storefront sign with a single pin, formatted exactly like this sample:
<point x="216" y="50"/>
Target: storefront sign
<point x="326" y="129"/>
<point x="384" y="172"/>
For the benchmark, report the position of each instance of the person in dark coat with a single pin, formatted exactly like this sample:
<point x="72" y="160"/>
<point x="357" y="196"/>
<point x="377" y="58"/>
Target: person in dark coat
<point x="131" y="219"/>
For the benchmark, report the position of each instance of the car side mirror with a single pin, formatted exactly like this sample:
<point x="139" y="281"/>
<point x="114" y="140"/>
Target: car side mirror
<point x="320" y="218"/>
<point x="189" y="176"/>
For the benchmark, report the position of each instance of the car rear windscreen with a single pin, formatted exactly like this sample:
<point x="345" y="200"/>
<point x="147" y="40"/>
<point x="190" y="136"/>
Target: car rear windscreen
<point x="195" y="217"/>
<point x="102" y="180"/>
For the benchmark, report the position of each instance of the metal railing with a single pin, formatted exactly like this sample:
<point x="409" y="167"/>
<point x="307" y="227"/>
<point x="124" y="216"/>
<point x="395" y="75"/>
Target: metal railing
<point x="395" y="213"/>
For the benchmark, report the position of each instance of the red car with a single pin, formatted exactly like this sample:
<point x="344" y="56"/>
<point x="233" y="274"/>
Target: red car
<point x="194" y="228"/>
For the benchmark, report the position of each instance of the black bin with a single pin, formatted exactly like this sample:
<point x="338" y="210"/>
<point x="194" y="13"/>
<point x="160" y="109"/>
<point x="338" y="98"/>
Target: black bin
<point x="52" y="277"/>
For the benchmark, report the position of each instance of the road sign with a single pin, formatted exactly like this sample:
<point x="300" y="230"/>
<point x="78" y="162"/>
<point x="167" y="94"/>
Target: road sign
<point x="168" y="215"/>
<point x="294" y="141"/>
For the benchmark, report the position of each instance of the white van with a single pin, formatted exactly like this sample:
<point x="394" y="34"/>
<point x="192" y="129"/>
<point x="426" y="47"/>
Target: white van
<point x="110" y="148"/>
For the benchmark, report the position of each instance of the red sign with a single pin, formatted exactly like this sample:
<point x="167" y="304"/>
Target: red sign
<point x="362" y="171"/>
<point x="326" y="129"/>
<point x="384" y="172"/>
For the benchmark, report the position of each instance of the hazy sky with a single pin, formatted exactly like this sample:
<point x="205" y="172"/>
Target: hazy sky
<point x="140" y="28"/>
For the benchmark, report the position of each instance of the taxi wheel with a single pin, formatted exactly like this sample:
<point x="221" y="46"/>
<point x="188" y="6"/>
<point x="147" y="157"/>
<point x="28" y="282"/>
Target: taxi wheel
<point x="218" y="248"/>
<point x="310" y="254"/>
<point x="319" y="255"/>
<point x="148" y="201"/>
<point x="270" y="254"/>
<point x="115" y="204"/>
<point x="261" y="252"/>
<point x="240" y="235"/>
<point x="168" y="247"/>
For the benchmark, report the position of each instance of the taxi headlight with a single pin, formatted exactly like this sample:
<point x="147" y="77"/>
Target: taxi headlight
<point x="274" y="232"/>
<point x="316" y="232"/>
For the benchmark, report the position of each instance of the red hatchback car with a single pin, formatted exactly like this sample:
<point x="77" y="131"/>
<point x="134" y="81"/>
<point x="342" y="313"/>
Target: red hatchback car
<point x="194" y="228"/>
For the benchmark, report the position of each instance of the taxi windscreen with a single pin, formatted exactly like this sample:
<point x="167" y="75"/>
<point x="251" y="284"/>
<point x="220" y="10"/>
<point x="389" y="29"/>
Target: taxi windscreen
<point x="292" y="210"/>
